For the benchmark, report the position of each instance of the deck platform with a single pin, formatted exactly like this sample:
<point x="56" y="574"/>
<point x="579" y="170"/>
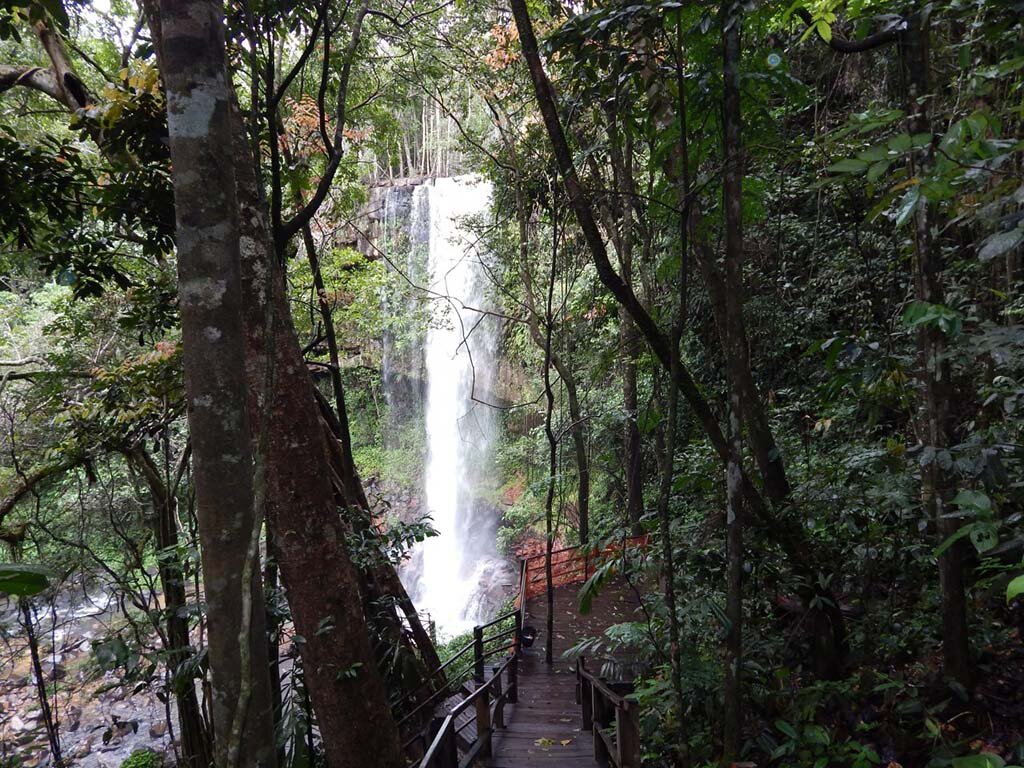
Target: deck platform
<point x="544" y="726"/>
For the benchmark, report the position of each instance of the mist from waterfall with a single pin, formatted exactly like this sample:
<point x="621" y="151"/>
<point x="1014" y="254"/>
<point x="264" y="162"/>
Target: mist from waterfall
<point x="451" y="574"/>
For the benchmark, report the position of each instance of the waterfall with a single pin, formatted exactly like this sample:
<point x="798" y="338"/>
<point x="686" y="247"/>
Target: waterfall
<point x="456" y="577"/>
<point x="459" y="357"/>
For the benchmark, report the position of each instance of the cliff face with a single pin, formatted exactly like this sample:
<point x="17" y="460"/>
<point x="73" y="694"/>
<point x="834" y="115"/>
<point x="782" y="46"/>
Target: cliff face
<point x="389" y="202"/>
<point x="386" y="228"/>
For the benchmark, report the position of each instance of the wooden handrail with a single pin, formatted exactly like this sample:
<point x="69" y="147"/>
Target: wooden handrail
<point x="605" y="710"/>
<point x="482" y="648"/>
<point x="443" y="751"/>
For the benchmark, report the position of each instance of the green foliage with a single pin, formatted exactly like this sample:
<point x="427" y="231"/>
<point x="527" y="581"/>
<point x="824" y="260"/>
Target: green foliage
<point x="143" y="758"/>
<point x="1015" y="589"/>
<point x="23" y="580"/>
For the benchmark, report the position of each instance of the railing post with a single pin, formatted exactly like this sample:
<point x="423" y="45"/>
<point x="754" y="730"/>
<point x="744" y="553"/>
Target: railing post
<point x="598" y="705"/>
<point x="483" y="720"/>
<point x="585" y="696"/>
<point x="499" y="709"/>
<point x="627" y="734"/>
<point x="478" y="654"/>
<point x="449" y="757"/>
<point x="513" y="679"/>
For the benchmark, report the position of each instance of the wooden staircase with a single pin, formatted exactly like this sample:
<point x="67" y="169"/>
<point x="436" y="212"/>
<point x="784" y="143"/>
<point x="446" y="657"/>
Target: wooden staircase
<point x="455" y="717"/>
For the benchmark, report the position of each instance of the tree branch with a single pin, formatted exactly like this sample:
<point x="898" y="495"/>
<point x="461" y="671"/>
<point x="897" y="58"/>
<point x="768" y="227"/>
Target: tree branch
<point x="839" y="43"/>
<point x="36" y="78"/>
<point x="308" y="211"/>
<point x="34" y="478"/>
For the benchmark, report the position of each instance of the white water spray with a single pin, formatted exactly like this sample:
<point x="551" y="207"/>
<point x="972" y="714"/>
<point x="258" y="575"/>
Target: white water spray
<point x="459" y="362"/>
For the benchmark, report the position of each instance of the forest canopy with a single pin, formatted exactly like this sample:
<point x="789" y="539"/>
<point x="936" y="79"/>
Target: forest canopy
<point x="738" y="308"/>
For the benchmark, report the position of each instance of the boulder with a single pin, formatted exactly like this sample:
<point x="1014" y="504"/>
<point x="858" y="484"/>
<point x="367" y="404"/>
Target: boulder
<point x="158" y="730"/>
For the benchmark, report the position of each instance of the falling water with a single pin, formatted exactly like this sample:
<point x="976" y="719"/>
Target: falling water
<point x="459" y="362"/>
<point x="457" y="576"/>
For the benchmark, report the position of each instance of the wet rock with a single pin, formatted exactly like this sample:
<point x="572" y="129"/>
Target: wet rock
<point x="83" y="750"/>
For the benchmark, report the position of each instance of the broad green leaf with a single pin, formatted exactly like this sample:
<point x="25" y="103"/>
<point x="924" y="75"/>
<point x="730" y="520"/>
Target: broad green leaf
<point x="1015" y="588"/>
<point x="877" y="169"/>
<point x="874" y="154"/>
<point x="850" y="165"/>
<point x="22" y="580"/>
<point x="984" y="536"/>
<point x="983" y="760"/>
<point x="786" y="728"/>
<point x="975" y="500"/>
<point x="907" y="206"/>
<point x="999" y="243"/>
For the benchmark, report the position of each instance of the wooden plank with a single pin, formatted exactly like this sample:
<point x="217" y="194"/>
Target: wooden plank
<point x="546" y="713"/>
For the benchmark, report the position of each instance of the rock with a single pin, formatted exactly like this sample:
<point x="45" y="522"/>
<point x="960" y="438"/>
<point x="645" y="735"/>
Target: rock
<point x="54" y="671"/>
<point x="16" y="724"/>
<point x="124" y="727"/>
<point x="83" y="749"/>
<point x="74" y="718"/>
<point x="157" y="730"/>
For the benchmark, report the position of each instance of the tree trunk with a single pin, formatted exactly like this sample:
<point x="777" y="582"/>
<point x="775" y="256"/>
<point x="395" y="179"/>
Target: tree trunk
<point x="307" y="535"/>
<point x="672" y="419"/>
<point x="733" y="201"/>
<point x="632" y="447"/>
<point x="50" y="725"/>
<point x="196" y="749"/>
<point x="549" y="432"/>
<point x="938" y="486"/>
<point x="190" y="41"/>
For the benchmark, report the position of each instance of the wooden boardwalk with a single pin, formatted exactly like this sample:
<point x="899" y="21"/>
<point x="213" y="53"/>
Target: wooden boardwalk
<point x="544" y="726"/>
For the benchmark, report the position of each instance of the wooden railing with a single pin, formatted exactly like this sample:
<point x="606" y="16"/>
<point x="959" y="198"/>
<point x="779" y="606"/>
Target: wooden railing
<point x="569" y="565"/>
<point x="442" y="744"/>
<point x="500" y="637"/>
<point x="613" y="717"/>
<point x="488" y="703"/>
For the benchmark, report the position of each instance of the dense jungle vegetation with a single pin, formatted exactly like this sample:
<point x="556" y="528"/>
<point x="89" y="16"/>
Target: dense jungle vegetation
<point x="758" y="270"/>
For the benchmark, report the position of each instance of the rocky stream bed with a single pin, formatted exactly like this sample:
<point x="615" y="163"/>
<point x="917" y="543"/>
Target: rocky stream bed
<point x="101" y="722"/>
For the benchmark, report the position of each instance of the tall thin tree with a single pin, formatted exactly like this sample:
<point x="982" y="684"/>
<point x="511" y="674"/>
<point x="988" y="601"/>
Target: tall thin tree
<point x="193" y="64"/>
